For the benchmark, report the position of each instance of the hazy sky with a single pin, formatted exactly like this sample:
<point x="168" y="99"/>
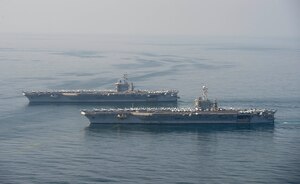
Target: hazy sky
<point x="152" y="17"/>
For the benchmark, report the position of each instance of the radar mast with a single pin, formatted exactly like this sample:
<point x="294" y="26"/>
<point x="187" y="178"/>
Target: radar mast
<point x="204" y="93"/>
<point x="125" y="77"/>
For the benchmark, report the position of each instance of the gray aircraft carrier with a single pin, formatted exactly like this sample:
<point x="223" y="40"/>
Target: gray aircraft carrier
<point x="205" y="111"/>
<point x="124" y="92"/>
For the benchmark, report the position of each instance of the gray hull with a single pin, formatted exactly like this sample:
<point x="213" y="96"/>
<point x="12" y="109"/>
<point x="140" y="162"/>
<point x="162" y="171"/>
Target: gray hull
<point x="60" y="97"/>
<point x="176" y="118"/>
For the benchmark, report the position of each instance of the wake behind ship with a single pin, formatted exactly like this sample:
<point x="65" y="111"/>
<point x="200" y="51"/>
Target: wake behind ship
<point x="124" y="92"/>
<point x="205" y="112"/>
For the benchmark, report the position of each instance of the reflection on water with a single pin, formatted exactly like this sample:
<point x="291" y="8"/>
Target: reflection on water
<point x="195" y="128"/>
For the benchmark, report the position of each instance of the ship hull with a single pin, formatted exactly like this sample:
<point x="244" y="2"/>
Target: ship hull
<point x="98" y="97"/>
<point x="202" y="118"/>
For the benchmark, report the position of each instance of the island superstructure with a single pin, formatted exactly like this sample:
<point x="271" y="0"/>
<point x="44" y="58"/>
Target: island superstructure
<point x="124" y="92"/>
<point x="205" y="111"/>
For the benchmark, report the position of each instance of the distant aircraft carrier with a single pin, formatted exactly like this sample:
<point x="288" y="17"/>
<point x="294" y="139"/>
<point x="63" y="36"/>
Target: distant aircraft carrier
<point x="205" y="111"/>
<point x="124" y="92"/>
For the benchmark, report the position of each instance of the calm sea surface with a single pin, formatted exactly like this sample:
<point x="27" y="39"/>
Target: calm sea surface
<point x="55" y="144"/>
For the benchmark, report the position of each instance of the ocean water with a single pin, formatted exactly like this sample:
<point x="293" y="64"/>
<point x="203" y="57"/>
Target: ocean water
<point x="55" y="144"/>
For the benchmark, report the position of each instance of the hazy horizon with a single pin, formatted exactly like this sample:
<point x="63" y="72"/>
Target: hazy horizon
<point x="242" y="18"/>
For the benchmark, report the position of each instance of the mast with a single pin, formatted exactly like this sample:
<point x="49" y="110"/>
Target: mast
<point x="204" y="93"/>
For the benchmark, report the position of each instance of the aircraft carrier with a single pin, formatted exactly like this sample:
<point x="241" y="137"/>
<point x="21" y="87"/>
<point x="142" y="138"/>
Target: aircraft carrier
<point x="204" y="112"/>
<point x="124" y="92"/>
